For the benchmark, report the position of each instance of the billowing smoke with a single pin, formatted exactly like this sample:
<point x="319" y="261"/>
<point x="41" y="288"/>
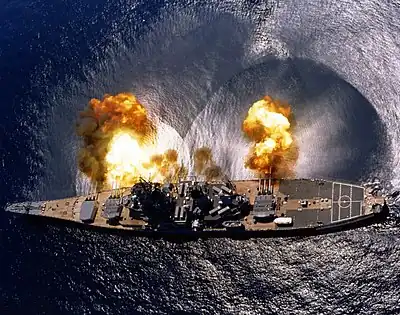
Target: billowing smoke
<point x="119" y="144"/>
<point x="204" y="164"/>
<point x="168" y="165"/>
<point x="268" y="125"/>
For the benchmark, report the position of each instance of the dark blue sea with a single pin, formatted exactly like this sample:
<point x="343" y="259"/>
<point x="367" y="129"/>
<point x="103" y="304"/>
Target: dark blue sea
<point x="197" y="66"/>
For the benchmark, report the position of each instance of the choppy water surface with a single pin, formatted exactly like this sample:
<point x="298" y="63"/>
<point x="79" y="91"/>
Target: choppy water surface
<point x="198" y="66"/>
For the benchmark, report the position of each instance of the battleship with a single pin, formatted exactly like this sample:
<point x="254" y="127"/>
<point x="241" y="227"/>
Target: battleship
<point x="265" y="207"/>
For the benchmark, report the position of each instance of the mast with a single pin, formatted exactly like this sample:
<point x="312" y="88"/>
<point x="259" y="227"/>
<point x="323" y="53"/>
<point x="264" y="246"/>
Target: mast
<point x="270" y="180"/>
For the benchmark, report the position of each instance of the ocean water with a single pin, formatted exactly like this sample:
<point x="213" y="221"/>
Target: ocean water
<point x="197" y="66"/>
<point x="59" y="270"/>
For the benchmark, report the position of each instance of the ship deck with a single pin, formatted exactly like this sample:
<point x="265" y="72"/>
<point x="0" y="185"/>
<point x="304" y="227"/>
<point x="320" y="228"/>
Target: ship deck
<point x="341" y="201"/>
<point x="328" y="203"/>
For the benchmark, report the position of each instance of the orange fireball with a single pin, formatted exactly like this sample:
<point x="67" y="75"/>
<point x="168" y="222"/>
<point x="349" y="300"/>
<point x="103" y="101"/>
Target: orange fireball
<point x="119" y="144"/>
<point x="268" y="126"/>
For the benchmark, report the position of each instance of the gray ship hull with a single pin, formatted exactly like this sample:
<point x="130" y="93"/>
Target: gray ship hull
<point x="182" y="234"/>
